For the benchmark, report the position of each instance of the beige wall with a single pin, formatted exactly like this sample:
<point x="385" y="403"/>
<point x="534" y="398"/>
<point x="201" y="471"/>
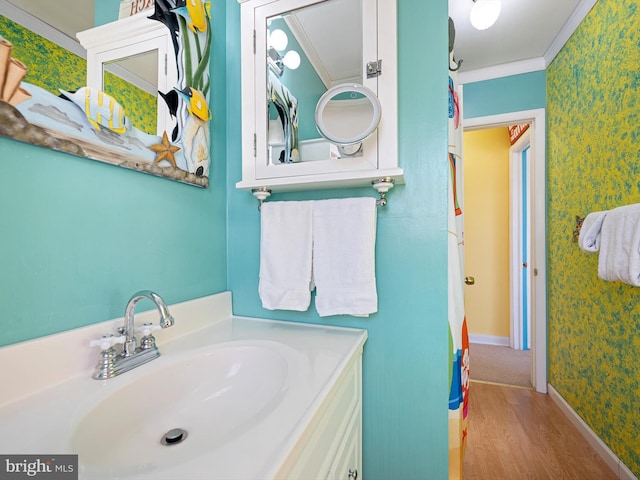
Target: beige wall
<point x="486" y="208"/>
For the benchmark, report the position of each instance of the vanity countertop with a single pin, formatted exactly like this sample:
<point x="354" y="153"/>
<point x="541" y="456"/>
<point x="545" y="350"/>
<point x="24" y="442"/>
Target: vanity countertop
<point x="40" y="418"/>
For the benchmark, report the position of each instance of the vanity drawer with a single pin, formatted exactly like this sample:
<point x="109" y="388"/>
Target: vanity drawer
<point x="348" y="461"/>
<point x="316" y="452"/>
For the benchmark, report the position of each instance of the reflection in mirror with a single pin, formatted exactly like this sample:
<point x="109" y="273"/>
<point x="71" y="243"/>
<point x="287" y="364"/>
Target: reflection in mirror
<point x="139" y="71"/>
<point x="303" y="62"/>
<point x="346" y="115"/>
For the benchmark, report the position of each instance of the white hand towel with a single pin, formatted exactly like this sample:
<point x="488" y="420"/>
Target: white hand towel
<point x="589" y="239"/>
<point x="285" y="255"/>
<point x="619" y="258"/>
<point x="344" y="238"/>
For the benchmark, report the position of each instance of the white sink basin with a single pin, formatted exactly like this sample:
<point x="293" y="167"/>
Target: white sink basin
<point x="214" y="396"/>
<point x="247" y="392"/>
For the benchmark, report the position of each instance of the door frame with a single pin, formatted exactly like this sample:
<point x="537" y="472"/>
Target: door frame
<point x="538" y="234"/>
<point x="519" y="201"/>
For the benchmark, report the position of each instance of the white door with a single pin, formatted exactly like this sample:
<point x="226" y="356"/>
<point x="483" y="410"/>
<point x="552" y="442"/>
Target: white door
<point x="520" y="242"/>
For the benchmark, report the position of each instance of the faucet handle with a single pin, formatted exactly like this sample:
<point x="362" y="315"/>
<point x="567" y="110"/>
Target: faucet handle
<point x="147" y="328"/>
<point x="106" y="341"/>
<point x="148" y="341"/>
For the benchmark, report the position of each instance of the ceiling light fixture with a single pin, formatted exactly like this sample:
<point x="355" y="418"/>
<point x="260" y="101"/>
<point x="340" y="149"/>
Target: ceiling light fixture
<point x="484" y="13"/>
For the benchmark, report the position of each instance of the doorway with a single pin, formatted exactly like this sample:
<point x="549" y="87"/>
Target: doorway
<point x="535" y="236"/>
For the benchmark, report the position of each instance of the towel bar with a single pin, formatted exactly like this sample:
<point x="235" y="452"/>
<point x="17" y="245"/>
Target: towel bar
<point x="578" y="227"/>
<point x="261" y="194"/>
<point x="382" y="185"/>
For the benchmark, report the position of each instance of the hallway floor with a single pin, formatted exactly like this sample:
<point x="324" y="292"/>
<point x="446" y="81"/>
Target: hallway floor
<point x="520" y="433"/>
<point x="497" y="364"/>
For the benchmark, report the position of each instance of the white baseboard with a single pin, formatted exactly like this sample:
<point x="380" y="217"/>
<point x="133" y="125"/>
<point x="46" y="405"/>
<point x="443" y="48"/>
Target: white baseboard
<point x="610" y="458"/>
<point x="489" y="340"/>
<point x="625" y="473"/>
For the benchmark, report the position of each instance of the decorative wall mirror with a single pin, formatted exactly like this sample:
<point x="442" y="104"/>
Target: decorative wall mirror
<point x="161" y="128"/>
<point x="293" y="52"/>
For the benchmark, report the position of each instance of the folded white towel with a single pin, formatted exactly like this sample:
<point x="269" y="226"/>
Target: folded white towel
<point x="619" y="258"/>
<point x="285" y="255"/>
<point x="589" y="239"/>
<point x="344" y="238"/>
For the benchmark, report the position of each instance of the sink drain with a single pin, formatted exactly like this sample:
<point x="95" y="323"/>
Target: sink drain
<point x="174" y="436"/>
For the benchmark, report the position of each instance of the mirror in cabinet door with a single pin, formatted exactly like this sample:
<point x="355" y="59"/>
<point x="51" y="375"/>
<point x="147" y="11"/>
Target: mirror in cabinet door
<point x="319" y="93"/>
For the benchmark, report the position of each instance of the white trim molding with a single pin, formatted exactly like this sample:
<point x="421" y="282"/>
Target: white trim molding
<point x="503" y="70"/>
<point x="576" y="18"/>
<point x="610" y="458"/>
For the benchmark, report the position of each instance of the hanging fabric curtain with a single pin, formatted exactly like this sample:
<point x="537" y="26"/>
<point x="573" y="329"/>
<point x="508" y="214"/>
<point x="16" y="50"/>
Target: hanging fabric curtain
<point x="287" y="107"/>
<point x="458" y="336"/>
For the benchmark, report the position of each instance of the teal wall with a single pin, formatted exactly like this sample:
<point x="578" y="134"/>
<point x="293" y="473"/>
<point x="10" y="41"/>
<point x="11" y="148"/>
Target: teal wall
<point x="105" y="11"/>
<point x="515" y="93"/>
<point x="405" y="359"/>
<point x="79" y="237"/>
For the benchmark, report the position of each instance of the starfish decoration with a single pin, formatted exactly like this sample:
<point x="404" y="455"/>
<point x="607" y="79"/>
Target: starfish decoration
<point x="165" y="151"/>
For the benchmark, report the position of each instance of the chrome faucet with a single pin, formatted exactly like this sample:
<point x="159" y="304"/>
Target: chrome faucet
<point x="111" y="362"/>
<point x="166" y="320"/>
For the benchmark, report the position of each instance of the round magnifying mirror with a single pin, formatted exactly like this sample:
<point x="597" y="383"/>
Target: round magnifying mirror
<point x="346" y="115"/>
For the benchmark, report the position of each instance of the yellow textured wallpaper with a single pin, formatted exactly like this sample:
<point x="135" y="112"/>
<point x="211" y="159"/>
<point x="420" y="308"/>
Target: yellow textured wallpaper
<point x="594" y="164"/>
<point x="52" y="67"/>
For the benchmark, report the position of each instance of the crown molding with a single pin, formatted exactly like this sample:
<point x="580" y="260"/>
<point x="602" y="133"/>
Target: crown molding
<point x="533" y="64"/>
<point x="503" y="70"/>
<point x="572" y="23"/>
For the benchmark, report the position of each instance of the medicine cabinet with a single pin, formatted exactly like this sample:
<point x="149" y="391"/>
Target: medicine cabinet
<point x="293" y="52"/>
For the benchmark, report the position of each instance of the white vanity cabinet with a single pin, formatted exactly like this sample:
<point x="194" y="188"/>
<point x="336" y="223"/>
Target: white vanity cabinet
<point x="331" y="445"/>
<point x="341" y="42"/>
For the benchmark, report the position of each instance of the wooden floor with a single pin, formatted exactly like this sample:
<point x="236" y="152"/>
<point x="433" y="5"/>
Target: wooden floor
<point x="517" y="433"/>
